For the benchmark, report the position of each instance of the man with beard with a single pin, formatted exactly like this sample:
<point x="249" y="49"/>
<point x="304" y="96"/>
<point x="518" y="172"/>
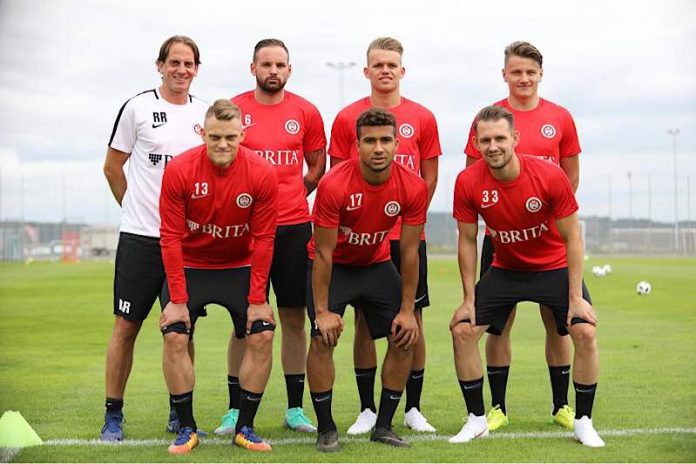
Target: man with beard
<point x="286" y="130"/>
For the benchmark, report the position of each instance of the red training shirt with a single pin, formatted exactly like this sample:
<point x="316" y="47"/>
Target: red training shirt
<point x="215" y="218"/>
<point x="547" y="132"/>
<point x="282" y="134"/>
<point x="520" y="214"/>
<point x="416" y="131"/>
<point x="365" y="213"/>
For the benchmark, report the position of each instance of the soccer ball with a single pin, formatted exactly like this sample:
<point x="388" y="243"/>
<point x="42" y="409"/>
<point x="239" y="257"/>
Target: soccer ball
<point x="598" y="271"/>
<point x="643" y="288"/>
<point x="607" y="268"/>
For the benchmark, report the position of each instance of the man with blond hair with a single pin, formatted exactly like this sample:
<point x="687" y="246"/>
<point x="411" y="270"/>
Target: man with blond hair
<point x="218" y="210"/>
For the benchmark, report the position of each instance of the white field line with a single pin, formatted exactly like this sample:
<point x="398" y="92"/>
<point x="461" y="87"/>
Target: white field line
<point x="310" y="439"/>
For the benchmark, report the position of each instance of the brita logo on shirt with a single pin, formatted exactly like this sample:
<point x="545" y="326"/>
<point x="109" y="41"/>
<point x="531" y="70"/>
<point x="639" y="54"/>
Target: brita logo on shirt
<point x="519" y="235"/>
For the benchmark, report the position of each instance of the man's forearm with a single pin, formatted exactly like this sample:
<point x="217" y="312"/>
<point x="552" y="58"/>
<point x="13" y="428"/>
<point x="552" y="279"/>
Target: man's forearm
<point x="409" y="277"/>
<point x="467" y="256"/>
<point x="574" y="255"/>
<point x="321" y="277"/>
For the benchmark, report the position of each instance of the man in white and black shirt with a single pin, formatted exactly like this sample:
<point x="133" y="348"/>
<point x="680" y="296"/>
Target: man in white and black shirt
<point x="150" y="129"/>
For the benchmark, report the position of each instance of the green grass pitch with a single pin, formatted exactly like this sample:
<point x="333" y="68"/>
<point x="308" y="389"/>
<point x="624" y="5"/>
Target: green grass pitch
<point x="55" y="322"/>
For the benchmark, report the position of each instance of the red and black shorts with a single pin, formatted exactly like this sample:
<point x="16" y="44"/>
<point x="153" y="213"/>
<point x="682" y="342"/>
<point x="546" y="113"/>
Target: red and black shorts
<point x="375" y="289"/>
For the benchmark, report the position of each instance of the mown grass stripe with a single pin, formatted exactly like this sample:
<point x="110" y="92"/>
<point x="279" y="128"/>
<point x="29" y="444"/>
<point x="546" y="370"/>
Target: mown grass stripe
<point x="365" y="439"/>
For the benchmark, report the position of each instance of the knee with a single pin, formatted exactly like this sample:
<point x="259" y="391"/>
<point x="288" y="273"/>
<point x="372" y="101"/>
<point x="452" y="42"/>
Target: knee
<point x="318" y="348"/>
<point x="583" y="334"/>
<point x="260" y="341"/>
<point x="125" y="332"/>
<point x="176" y="343"/>
<point x="292" y="321"/>
<point x="462" y="333"/>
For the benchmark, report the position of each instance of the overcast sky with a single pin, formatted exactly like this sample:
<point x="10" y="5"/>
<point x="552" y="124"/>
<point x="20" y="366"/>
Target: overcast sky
<point x="625" y="69"/>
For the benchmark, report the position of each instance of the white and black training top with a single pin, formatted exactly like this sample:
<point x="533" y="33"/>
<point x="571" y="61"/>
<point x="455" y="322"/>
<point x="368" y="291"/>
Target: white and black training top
<point x="153" y="131"/>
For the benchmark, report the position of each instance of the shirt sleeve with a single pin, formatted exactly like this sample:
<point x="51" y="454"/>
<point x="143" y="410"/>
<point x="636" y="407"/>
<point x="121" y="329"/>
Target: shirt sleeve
<point x="463" y="208"/>
<point x="570" y="145"/>
<point x="327" y="206"/>
<point x="263" y="229"/>
<point x="342" y="136"/>
<point x="429" y="145"/>
<point x="415" y="213"/>
<point x="470" y="149"/>
<point x="561" y="197"/>
<point x="172" y="230"/>
<point x="315" y="138"/>
<point x="125" y="130"/>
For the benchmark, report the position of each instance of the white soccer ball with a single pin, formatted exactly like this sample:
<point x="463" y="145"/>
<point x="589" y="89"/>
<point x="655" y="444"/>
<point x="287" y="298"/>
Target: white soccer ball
<point x="607" y="268"/>
<point x="598" y="271"/>
<point x="643" y="288"/>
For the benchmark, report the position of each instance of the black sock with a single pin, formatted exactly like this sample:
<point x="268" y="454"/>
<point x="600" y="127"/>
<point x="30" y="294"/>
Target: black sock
<point x="233" y="390"/>
<point x="183" y="404"/>
<point x="322" y="408"/>
<point x="414" y="387"/>
<point x="473" y="395"/>
<point x="294" y="384"/>
<point x="248" y="405"/>
<point x="584" y="398"/>
<point x="388" y="403"/>
<point x="560" y="378"/>
<point x="497" y="379"/>
<point x="365" y="378"/>
<point x="114" y="405"/>
<point x="171" y="404"/>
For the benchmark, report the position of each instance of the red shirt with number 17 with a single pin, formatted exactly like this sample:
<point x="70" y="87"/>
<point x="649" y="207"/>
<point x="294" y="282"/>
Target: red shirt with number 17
<point x="364" y="213"/>
<point x="520" y="214"/>
<point x="416" y="131"/>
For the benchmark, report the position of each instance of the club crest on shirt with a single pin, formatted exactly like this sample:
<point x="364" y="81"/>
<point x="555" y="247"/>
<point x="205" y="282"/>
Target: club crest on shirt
<point x="406" y="131"/>
<point x="392" y="208"/>
<point x="292" y="127"/>
<point x="533" y="204"/>
<point x="548" y="131"/>
<point x="244" y="200"/>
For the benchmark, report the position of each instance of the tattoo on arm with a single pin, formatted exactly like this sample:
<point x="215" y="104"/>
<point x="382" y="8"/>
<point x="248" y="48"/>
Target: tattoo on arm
<point x="316" y="166"/>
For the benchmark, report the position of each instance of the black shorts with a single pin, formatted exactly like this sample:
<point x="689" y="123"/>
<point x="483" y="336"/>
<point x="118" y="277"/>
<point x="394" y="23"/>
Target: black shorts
<point x="139" y="275"/>
<point x="375" y="289"/>
<point x="499" y="290"/>
<point x="422" y="295"/>
<point x="288" y="269"/>
<point x="226" y="287"/>
<point x="486" y="254"/>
